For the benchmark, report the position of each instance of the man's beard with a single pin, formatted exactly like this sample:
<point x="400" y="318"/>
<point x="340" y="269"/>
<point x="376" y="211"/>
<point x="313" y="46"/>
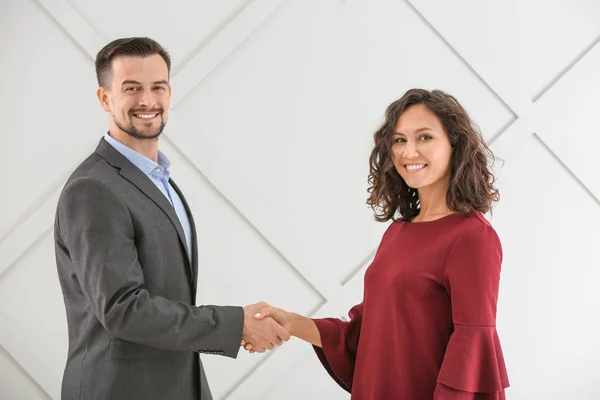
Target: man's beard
<point x="131" y="130"/>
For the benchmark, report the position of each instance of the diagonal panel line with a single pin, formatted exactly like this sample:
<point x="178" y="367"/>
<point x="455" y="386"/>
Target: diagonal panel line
<point x="505" y="143"/>
<point x="245" y="199"/>
<point x="365" y="261"/>
<point x="234" y="209"/>
<point x="194" y="69"/>
<point x="288" y="356"/>
<point x="248" y="374"/>
<point x="34" y="224"/>
<point x="29" y="213"/>
<point x="23" y="370"/>
<point x="19" y="244"/>
<point x="466" y="63"/>
<point x="21" y="348"/>
<point x="81" y="32"/>
<point x="567" y="169"/>
<point x="28" y="233"/>
<point x="566" y="69"/>
<point x="502" y="130"/>
<point x="221" y="46"/>
<point x="210" y="37"/>
<point x="283" y="360"/>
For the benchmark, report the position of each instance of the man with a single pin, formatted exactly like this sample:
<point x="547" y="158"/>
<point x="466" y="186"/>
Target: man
<point x="127" y="257"/>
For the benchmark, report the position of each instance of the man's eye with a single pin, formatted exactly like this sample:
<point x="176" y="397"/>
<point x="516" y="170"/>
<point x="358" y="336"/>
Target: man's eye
<point x="131" y="89"/>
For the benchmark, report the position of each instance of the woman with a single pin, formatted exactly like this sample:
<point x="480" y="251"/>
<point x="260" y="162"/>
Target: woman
<point x="426" y="326"/>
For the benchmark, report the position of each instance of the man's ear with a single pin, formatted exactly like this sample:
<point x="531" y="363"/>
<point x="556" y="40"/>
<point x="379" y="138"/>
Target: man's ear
<point x="102" y="94"/>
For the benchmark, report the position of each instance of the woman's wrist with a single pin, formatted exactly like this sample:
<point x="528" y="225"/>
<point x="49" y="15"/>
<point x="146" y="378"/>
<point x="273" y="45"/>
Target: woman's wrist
<point x="295" y="321"/>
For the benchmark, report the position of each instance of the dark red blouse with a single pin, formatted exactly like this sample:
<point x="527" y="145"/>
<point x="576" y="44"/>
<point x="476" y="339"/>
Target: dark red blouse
<point x="426" y="328"/>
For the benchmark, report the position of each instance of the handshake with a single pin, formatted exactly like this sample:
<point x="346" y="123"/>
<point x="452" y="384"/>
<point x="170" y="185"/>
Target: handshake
<point x="265" y="327"/>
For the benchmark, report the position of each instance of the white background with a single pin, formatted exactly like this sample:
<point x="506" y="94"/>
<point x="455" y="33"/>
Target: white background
<point x="274" y="106"/>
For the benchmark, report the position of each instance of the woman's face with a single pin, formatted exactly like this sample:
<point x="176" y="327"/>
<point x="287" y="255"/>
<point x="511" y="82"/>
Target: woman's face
<point x="421" y="150"/>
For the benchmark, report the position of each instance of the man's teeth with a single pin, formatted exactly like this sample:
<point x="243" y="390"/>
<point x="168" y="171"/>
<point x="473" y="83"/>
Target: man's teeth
<point x="415" y="167"/>
<point x="145" y="115"/>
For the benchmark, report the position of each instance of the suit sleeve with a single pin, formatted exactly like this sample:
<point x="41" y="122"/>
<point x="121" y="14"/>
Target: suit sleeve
<point x="473" y="367"/>
<point x="97" y="231"/>
<point x="340" y="342"/>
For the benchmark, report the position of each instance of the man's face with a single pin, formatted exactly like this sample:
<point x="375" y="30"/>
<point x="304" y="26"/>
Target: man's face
<point x="139" y="96"/>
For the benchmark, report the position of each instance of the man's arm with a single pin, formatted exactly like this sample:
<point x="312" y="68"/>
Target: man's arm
<point x="97" y="231"/>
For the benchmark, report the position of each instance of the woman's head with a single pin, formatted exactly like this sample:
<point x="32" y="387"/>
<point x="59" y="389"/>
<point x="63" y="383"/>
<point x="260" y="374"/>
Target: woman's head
<point x="427" y="140"/>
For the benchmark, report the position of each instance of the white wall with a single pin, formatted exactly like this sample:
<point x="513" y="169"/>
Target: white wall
<point x="274" y="105"/>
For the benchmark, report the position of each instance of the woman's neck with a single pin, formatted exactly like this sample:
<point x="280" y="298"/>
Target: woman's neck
<point x="433" y="203"/>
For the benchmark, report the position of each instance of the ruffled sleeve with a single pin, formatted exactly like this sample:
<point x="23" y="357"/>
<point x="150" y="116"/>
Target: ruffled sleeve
<point x="473" y="367"/>
<point x="340" y="341"/>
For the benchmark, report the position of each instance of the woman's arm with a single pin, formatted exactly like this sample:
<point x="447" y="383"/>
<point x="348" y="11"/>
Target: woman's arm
<point x="304" y="328"/>
<point x="334" y="341"/>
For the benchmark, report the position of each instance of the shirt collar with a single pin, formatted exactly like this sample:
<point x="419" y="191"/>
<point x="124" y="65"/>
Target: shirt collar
<point x="146" y="165"/>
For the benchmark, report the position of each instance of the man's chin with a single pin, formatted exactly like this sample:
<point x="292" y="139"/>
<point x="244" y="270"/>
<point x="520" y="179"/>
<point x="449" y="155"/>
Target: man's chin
<point x="148" y="135"/>
<point x="143" y="134"/>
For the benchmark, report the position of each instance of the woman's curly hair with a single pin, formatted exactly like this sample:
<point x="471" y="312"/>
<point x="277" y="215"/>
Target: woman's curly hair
<point x="471" y="181"/>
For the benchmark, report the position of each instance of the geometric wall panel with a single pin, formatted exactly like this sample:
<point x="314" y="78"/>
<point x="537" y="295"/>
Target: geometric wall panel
<point x="307" y="154"/>
<point x="519" y="47"/>
<point x="28" y="291"/>
<point x="550" y="229"/>
<point x="196" y="22"/>
<point x="238" y="266"/>
<point x="294" y="385"/>
<point x="45" y="130"/>
<point x="16" y="383"/>
<point x="567" y="120"/>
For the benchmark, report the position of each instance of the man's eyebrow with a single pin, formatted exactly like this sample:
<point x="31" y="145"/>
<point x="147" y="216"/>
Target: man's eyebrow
<point x="131" y="82"/>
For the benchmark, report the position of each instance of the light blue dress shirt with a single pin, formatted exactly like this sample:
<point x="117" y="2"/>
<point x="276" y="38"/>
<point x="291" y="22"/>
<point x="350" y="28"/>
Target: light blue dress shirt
<point x="159" y="175"/>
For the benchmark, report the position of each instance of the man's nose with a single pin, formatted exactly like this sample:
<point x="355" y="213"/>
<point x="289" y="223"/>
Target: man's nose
<point x="146" y="99"/>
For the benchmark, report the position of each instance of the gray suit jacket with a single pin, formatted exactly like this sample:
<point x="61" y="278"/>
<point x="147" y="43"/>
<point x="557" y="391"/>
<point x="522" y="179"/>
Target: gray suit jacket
<point x="129" y="289"/>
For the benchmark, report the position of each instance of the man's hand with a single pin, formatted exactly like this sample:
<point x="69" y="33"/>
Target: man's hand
<point x="281" y="317"/>
<point x="263" y="333"/>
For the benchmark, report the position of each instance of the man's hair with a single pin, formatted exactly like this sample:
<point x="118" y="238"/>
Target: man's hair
<point x="471" y="179"/>
<point x="135" y="46"/>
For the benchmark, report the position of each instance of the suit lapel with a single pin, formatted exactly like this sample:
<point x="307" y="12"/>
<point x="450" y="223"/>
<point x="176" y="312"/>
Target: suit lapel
<point x="194" y="239"/>
<point x="133" y="174"/>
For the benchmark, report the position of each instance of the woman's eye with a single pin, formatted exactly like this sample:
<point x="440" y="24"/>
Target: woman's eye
<point x="426" y="137"/>
<point x="399" y="140"/>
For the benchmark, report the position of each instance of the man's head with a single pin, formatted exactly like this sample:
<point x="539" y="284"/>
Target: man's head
<point x="133" y="79"/>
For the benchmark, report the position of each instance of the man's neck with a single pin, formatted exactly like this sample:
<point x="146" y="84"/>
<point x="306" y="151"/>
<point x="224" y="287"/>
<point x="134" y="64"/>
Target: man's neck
<point x="146" y="147"/>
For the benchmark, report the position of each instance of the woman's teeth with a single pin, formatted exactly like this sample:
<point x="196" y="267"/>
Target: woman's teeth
<point x="415" y="167"/>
